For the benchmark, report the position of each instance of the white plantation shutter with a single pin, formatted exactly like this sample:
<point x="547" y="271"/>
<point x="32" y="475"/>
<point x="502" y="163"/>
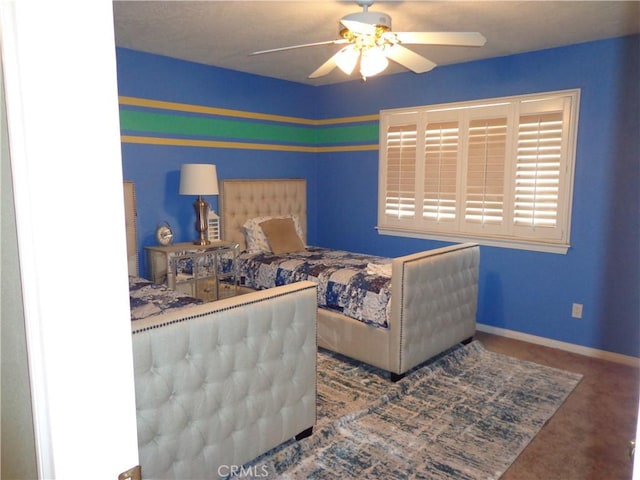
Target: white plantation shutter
<point x="538" y="165"/>
<point x="400" y="201"/>
<point x="486" y="163"/>
<point x="496" y="171"/>
<point x="441" y="147"/>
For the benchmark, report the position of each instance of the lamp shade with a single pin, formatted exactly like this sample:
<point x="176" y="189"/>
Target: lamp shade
<point x="372" y="62"/>
<point x="198" y="179"/>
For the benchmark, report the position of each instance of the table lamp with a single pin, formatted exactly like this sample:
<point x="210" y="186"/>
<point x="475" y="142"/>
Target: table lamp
<point x="199" y="179"/>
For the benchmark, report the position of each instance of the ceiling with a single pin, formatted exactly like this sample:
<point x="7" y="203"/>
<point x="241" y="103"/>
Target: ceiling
<point x="224" y="33"/>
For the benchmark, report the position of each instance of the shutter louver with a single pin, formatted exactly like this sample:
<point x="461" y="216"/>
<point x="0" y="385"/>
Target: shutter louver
<point x="401" y="171"/>
<point x="486" y="158"/>
<point x="538" y="170"/>
<point x="440" y="171"/>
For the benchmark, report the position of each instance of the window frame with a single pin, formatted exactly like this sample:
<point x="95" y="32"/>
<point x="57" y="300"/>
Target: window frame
<point x="552" y="239"/>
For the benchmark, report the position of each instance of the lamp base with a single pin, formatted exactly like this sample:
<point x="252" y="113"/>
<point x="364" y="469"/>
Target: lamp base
<point x="202" y="224"/>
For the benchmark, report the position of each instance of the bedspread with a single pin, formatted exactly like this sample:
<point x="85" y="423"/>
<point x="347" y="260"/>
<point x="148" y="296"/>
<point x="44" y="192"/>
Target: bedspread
<point x="148" y="299"/>
<point x="350" y="283"/>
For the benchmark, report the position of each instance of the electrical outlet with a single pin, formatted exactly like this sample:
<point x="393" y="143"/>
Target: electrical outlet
<point x="576" y="310"/>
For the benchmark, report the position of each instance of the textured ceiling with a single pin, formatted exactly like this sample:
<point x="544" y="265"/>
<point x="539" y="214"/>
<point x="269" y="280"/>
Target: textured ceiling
<point x="224" y="33"/>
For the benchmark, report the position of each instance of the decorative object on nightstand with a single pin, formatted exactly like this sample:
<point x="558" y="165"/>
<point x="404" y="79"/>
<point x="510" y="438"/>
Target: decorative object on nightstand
<point x="199" y="179"/>
<point x="214" y="227"/>
<point x="164" y="234"/>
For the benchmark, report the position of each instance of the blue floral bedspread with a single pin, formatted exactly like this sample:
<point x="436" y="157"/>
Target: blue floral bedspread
<point x="147" y="298"/>
<point x="346" y="282"/>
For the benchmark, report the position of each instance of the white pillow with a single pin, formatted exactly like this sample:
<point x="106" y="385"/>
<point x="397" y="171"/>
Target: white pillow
<point x="255" y="238"/>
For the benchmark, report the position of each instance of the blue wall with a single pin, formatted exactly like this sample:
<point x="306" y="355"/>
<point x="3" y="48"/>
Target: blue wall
<point x="524" y="291"/>
<point x="155" y="168"/>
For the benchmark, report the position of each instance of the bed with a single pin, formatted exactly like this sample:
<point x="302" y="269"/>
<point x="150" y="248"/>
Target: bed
<point x="218" y="384"/>
<point x="432" y="294"/>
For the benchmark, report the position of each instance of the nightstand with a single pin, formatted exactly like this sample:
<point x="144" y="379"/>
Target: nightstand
<point x="207" y="272"/>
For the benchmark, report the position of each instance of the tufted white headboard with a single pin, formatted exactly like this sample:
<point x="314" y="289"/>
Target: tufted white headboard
<point x="241" y="200"/>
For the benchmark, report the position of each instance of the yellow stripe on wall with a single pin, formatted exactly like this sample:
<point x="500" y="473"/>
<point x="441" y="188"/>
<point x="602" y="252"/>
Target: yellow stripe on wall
<point x="185" y="107"/>
<point x="180" y="142"/>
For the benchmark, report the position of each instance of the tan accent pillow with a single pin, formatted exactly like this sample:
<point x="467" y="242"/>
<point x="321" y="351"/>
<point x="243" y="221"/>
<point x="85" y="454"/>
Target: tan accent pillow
<point x="282" y="236"/>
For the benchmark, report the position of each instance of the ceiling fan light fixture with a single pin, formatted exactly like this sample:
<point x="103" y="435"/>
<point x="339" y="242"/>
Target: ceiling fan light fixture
<point x="371" y="43"/>
<point x="346" y="59"/>
<point x="372" y="62"/>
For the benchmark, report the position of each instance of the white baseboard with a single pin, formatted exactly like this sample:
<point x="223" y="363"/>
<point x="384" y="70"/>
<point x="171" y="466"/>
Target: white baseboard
<point x="569" y="347"/>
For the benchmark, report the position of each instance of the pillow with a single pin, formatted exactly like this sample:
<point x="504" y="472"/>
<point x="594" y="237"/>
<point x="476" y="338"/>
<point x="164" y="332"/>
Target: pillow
<point x="255" y="240"/>
<point x="282" y="236"/>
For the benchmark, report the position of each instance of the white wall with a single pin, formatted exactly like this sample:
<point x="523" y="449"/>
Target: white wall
<point x="61" y="99"/>
<point x="18" y="455"/>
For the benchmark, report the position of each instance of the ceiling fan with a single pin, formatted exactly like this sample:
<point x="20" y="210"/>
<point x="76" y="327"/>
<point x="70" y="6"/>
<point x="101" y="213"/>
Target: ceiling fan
<point x="371" y="44"/>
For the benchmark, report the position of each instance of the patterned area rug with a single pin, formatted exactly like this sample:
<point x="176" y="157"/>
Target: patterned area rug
<point x="466" y="415"/>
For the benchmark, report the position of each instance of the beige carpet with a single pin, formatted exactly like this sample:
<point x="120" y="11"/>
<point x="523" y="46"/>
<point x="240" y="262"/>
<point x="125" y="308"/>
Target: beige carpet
<point x="588" y="437"/>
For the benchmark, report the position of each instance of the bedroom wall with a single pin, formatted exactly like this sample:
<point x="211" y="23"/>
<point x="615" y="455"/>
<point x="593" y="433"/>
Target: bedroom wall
<point x="527" y="292"/>
<point x="225" y="138"/>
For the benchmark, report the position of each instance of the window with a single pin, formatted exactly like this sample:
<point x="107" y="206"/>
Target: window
<point x="497" y="171"/>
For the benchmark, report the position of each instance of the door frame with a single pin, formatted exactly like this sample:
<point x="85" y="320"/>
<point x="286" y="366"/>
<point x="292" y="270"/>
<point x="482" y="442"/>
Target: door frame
<point x="60" y="82"/>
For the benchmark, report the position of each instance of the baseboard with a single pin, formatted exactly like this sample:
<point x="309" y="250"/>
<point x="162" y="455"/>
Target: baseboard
<point x="568" y="347"/>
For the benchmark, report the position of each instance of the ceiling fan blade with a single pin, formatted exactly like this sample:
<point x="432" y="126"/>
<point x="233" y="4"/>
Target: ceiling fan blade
<point x="407" y="58"/>
<point x="465" y="39"/>
<point x="282" y="49"/>
<point x="326" y="68"/>
<point x="359" y="28"/>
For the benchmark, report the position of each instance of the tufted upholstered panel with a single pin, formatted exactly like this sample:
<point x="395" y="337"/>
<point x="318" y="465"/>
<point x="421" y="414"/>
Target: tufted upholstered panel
<point x="433" y="307"/>
<point x="241" y="200"/>
<point x="448" y="298"/>
<point x="232" y="380"/>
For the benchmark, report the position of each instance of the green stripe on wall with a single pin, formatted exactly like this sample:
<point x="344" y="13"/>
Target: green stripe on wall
<point x="225" y="112"/>
<point x="366" y="133"/>
<point x="209" y="127"/>
<point x="246" y="131"/>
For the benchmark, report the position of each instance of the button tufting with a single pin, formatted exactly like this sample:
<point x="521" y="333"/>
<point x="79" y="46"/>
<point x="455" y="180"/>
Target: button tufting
<point x="239" y="394"/>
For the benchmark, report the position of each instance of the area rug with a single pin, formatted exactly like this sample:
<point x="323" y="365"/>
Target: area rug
<point x="466" y="415"/>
